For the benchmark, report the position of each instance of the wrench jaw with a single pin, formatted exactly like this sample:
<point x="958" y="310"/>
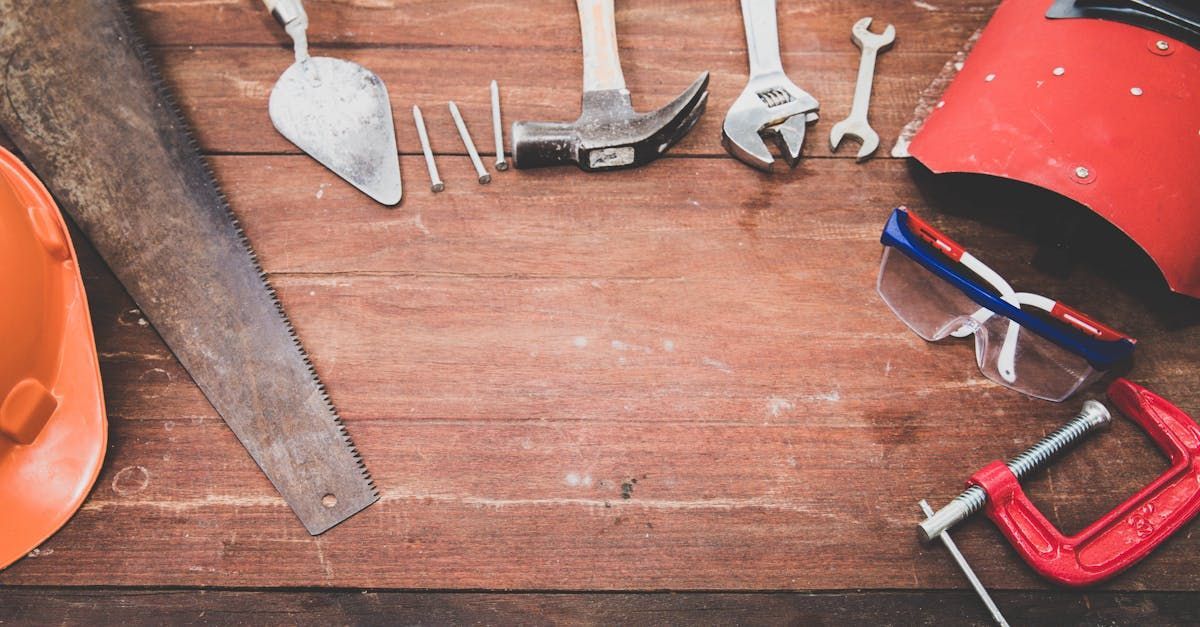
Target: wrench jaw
<point x="776" y="109"/>
<point x="790" y="135"/>
<point x="743" y="142"/>
<point x="869" y="144"/>
<point x="861" y="34"/>
<point x="867" y="136"/>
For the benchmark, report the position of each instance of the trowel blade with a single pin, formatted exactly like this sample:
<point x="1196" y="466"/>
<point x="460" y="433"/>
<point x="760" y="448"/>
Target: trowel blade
<point x="338" y="112"/>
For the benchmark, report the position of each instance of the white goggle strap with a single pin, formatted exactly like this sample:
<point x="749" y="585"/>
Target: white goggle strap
<point x="1006" y="361"/>
<point x="993" y="279"/>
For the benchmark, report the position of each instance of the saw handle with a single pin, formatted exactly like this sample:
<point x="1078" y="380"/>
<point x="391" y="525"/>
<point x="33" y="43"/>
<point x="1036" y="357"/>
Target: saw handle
<point x="1130" y="531"/>
<point x="291" y="15"/>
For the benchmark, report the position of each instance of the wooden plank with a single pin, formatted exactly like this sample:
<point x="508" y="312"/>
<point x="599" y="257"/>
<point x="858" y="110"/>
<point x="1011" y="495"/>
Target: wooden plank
<point x="223" y="91"/>
<point x="38" y="606"/>
<point x="512" y="365"/>
<point x="511" y="358"/>
<point x="703" y="25"/>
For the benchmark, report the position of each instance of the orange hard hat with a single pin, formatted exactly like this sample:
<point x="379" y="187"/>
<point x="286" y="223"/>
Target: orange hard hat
<point x="52" y="426"/>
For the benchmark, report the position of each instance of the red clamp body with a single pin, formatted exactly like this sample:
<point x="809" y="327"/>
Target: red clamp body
<point x="1127" y="533"/>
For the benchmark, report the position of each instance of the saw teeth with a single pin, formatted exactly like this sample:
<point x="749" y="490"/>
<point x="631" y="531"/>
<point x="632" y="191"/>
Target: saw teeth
<point x="160" y="85"/>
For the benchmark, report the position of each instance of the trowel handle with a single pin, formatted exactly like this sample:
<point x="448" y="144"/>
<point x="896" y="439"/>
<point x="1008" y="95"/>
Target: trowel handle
<point x="290" y="13"/>
<point x="601" y="65"/>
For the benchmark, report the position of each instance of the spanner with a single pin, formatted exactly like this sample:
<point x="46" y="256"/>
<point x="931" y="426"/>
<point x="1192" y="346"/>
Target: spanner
<point x="856" y="124"/>
<point x="771" y="104"/>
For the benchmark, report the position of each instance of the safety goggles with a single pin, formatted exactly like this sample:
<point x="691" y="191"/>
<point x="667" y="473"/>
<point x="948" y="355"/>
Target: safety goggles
<point x="1024" y="341"/>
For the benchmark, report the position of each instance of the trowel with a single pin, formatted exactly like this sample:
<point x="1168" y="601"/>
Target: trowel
<point x="336" y="111"/>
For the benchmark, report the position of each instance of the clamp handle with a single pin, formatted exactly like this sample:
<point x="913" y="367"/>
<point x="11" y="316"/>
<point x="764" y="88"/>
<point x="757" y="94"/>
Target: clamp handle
<point x="1130" y="531"/>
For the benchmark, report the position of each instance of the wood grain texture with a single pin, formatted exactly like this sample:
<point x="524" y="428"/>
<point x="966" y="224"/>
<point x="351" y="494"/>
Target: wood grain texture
<point x="420" y="25"/>
<point x="34" y="606"/>
<point x="507" y="392"/>
<point x="511" y="358"/>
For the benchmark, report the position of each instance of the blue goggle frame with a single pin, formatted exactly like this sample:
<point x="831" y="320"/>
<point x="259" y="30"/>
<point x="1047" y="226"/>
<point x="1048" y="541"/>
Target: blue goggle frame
<point x="1101" y="354"/>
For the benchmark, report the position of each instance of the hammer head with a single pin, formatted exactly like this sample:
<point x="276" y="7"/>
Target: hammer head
<point x="609" y="133"/>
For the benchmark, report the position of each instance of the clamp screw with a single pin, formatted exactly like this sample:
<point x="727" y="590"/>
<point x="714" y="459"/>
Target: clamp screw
<point x="1093" y="415"/>
<point x="1082" y="172"/>
<point x="1162" y="45"/>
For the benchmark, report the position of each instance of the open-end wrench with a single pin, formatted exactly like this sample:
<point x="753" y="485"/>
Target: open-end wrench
<point x="856" y="124"/>
<point x="771" y="104"/>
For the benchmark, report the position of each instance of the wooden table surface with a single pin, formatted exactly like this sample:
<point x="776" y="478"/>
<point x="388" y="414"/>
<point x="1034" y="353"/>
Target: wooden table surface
<point x="582" y="395"/>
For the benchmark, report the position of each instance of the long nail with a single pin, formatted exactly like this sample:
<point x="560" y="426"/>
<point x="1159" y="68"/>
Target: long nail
<point x="497" y="128"/>
<point x="484" y="177"/>
<point x="435" y="181"/>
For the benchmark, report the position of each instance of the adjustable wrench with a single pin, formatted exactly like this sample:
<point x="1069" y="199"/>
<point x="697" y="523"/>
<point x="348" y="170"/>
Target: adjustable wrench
<point x="856" y="124"/>
<point x="771" y="104"/>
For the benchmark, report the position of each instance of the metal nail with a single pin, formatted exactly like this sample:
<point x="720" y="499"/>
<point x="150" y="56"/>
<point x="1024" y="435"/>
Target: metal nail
<point x="435" y="181"/>
<point x="497" y="128"/>
<point x="484" y="177"/>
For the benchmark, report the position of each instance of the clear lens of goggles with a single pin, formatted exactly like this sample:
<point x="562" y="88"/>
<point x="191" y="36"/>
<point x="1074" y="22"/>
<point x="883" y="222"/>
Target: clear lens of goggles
<point x="1006" y="352"/>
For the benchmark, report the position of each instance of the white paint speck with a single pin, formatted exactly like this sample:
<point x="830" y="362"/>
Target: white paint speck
<point x="990" y="77"/>
<point x="625" y="346"/>
<point x="419" y="224"/>
<point x="668" y="345"/>
<point x="713" y="363"/>
<point x="832" y="395"/>
<point x="924" y="5"/>
<point x="576" y="480"/>
<point x="321" y="190"/>
<point x="580" y="341"/>
<point x="1059" y="71"/>
<point x="777" y="406"/>
<point x="142" y="322"/>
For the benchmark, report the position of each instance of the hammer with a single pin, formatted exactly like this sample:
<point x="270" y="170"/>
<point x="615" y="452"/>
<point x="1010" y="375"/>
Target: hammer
<point x="609" y="133"/>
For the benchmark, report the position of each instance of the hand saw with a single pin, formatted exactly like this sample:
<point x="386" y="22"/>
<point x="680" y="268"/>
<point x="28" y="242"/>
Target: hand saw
<point x="87" y="109"/>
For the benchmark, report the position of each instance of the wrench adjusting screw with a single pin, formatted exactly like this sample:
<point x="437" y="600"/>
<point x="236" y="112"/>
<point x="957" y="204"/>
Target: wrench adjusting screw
<point x="1082" y="172"/>
<point x="1162" y="45"/>
<point x="1093" y="415"/>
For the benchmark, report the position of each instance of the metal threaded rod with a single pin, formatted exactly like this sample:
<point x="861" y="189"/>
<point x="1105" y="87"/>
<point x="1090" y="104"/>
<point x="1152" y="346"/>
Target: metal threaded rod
<point x="1092" y="416"/>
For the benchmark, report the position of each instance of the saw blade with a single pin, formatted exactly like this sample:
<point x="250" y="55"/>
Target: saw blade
<point x="88" y="110"/>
